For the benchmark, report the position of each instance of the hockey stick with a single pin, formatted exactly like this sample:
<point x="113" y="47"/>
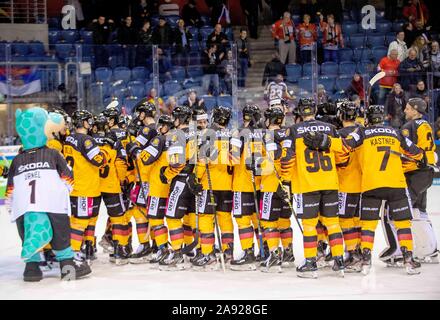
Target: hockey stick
<point x="434" y="167"/>
<point x="257" y="209"/>
<point x="187" y="249"/>
<point x="217" y="229"/>
<point x="371" y="83"/>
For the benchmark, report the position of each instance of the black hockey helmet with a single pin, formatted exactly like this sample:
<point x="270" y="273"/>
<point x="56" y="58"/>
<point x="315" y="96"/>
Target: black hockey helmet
<point x="306" y="107"/>
<point x="199" y="114"/>
<point x="144" y="106"/>
<point x="221" y="115"/>
<point x="347" y="111"/>
<point x="418" y="104"/>
<point x="79" y="116"/>
<point x="101" y="122"/>
<point x="252" y="113"/>
<point x="124" y="120"/>
<point x="375" y="114"/>
<point x="112" y="113"/>
<point x="165" y="120"/>
<point x="183" y="113"/>
<point x="64" y="114"/>
<point x="275" y="115"/>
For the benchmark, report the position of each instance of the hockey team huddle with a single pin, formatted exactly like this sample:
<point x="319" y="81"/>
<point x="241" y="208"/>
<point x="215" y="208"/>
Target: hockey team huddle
<point x="177" y="183"/>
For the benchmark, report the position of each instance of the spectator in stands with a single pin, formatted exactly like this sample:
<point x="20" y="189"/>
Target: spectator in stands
<point x="410" y="71"/>
<point x="307" y="35"/>
<point x="169" y="8"/>
<point x="410" y="33"/>
<point x="216" y="7"/>
<point x="420" y="91"/>
<point x="390" y="65"/>
<point x="163" y="34"/>
<point x="284" y="31"/>
<point x="356" y="87"/>
<point x="219" y="38"/>
<point x="154" y="99"/>
<point x="226" y="72"/>
<point x="322" y="95"/>
<point x="182" y="38"/>
<point x="400" y="45"/>
<point x="145" y="42"/>
<point x="435" y="63"/>
<point x="244" y="58"/>
<point x="250" y="10"/>
<point x="101" y="36"/>
<point x="191" y="15"/>
<point x="422" y="50"/>
<point x="169" y="106"/>
<point x="164" y="65"/>
<point x="128" y="37"/>
<point x="421" y="30"/>
<point x="394" y="106"/>
<point x="416" y="10"/>
<point x="332" y="38"/>
<point x="211" y="61"/>
<point x="333" y="7"/>
<point x="272" y="68"/>
<point x="193" y="101"/>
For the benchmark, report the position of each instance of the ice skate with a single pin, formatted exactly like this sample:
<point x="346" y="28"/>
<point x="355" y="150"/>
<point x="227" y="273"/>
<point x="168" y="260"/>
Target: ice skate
<point x="158" y="256"/>
<point x="321" y="255"/>
<point x="246" y="262"/>
<point x="308" y="270"/>
<point x="120" y="256"/>
<point x="106" y="244"/>
<point x="288" y="258"/>
<point x="206" y="262"/>
<point x="431" y="259"/>
<point x="173" y="261"/>
<point x="143" y="254"/>
<point x="366" y="261"/>
<point x="89" y="252"/>
<point x="410" y="264"/>
<point x="32" y="272"/>
<point x="338" y="265"/>
<point x="72" y="269"/>
<point x="353" y="262"/>
<point x="272" y="263"/>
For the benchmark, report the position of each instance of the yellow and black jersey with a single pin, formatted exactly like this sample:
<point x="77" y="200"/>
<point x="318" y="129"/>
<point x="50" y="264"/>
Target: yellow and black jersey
<point x="349" y="173"/>
<point x="109" y="181"/>
<point x="419" y="132"/>
<point x="146" y="134"/>
<point x="271" y="171"/>
<point x="160" y="153"/>
<point x="220" y="167"/>
<point x="85" y="158"/>
<point x="380" y="166"/>
<point x="118" y="134"/>
<point x="313" y="170"/>
<point x="55" y="144"/>
<point x="246" y="146"/>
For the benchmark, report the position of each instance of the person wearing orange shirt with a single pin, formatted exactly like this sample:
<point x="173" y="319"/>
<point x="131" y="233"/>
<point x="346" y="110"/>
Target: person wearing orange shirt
<point x="390" y="65"/>
<point x="284" y="31"/>
<point x="307" y="35"/>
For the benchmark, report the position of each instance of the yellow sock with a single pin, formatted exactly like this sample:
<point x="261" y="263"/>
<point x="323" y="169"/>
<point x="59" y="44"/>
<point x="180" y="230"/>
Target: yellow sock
<point x="404" y="234"/>
<point x="207" y="238"/>
<point x="310" y="237"/>
<point x="271" y="234"/>
<point x="245" y="232"/>
<point x="286" y="233"/>
<point x="120" y="230"/>
<point x="335" y="237"/>
<point x="175" y="227"/>
<point x="226" y="228"/>
<point x="349" y="232"/>
<point x="77" y="228"/>
<point x="89" y="233"/>
<point x="367" y="233"/>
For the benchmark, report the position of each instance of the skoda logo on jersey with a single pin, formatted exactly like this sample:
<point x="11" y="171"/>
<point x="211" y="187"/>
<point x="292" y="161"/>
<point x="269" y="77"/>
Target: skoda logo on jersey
<point x="33" y="166"/>
<point x="314" y="129"/>
<point x="72" y="140"/>
<point x="380" y="130"/>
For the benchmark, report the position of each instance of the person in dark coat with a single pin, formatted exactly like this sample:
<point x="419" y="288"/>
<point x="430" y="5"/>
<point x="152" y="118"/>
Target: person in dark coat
<point x="191" y="15"/>
<point x="272" y="69"/>
<point x="128" y="37"/>
<point x="182" y="38"/>
<point x="394" y="106"/>
<point x="163" y="34"/>
<point x="102" y="30"/>
<point x="145" y="43"/>
<point x="410" y="71"/>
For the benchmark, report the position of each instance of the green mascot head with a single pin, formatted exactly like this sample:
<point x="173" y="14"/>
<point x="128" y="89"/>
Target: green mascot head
<point x="36" y="126"/>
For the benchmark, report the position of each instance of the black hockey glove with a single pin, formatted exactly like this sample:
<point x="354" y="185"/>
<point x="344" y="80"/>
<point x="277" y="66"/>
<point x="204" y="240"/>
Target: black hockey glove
<point x="254" y="164"/>
<point x="108" y="140"/>
<point x="283" y="192"/>
<point x="132" y="150"/>
<point x="194" y="186"/>
<point x="163" y="179"/>
<point x="317" y="141"/>
<point x="5" y="172"/>
<point x="423" y="163"/>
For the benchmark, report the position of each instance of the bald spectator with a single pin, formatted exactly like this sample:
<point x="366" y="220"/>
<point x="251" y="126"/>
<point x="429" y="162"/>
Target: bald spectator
<point x="400" y="45"/>
<point x="219" y="38"/>
<point x="284" y="31"/>
<point x="390" y="65"/>
<point x="410" y="71"/>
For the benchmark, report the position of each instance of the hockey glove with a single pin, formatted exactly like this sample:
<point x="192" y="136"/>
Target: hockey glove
<point x="423" y="163"/>
<point x="194" y="186"/>
<point x="163" y="179"/>
<point x="317" y="141"/>
<point x="4" y="172"/>
<point x="254" y="165"/>
<point x="132" y="150"/>
<point x="108" y="140"/>
<point x="283" y="192"/>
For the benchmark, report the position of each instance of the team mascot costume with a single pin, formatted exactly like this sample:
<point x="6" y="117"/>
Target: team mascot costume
<point x="39" y="183"/>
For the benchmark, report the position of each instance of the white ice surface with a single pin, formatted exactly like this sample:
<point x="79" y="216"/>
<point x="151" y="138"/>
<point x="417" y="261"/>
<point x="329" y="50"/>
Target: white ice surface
<point x="139" y="282"/>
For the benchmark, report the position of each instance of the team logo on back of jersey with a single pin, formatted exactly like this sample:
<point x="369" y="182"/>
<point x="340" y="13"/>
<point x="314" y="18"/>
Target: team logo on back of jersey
<point x="372" y="131"/>
<point x="320" y="128"/>
<point x="405" y="132"/>
<point x="33" y="166"/>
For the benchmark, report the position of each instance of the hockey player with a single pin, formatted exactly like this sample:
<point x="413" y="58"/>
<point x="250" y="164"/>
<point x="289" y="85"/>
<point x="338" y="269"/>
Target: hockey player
<point x="153" y="159"/>
<point x="274" y="210"/>
<point x="85" y="158"/>
<point x="317" y="181"/>
<point x="349" y="175"/>
<point x="111" y="194"/>
<point x="215" y="173"/>
<point x="181" y="205"/>
<point x="246" y="144"/>
<point x="382" y="180"/>
<point x="144" y="123"/>
<point x="276" y="90"/>
<point x="419" y="180"/>
<point x="60" y="137"/>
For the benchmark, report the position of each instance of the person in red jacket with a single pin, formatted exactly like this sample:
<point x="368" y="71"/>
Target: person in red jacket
<point x="307" y="35"/>
<point x="416" y="10"/>
<point x="332" y="38"/>
<point x="284" y="31"/>
<point x="390" y="65"/>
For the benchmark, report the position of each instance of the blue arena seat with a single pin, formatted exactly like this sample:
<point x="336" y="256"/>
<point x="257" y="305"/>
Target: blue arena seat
<point x="136" y="88"/>
<point x="362" y="53"/>
<point x="347" y="67"/>
<point x="305" y="83"/>
<point x="195" y="71"/>
<point x="63" y="50"/>
<point x="389" y="38"/>
<point x="86" y="36"/>
<point x="54" y="36"/>
<point x="139" y="73"/>
<point x="379" y="53"/>
<point x="294" y="72"/>
<point x="69" y="36"/>
<point x="172" y="20"/>
<point x="20" y="48"/>
<point x="349" y="28"/>
<point x="342" y="82"/>
<point x="205" y="32"/>
<point x="178" y="73"/>
<point x="36" y="47"/>
<point x="366" y="67"/>
<point x="398" y="26"/>
<point x="383" y="26"/>
<point x="103" y="74"/>
<point x="329" y="68"/>
<point x="327" y="82"/>
<point x="122" y="73"/>
<point x="210" y="102"/>
<point x="345" y="54"/>
<point x="130" y="102"/>
<point x="307" y="70"/>
<point x="357" y="40"/>
<point x="225" y="101"/>
<point x="376" y="40"/>
<point x="170" y="87"/>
